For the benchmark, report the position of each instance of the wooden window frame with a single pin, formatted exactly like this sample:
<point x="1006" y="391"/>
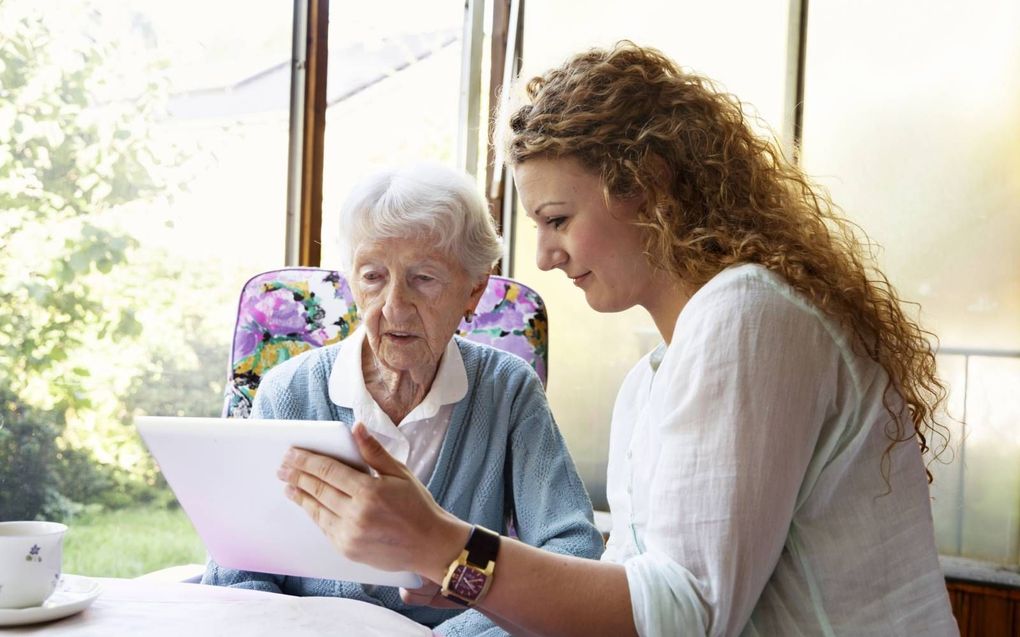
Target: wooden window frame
<point x="303" y="235"/>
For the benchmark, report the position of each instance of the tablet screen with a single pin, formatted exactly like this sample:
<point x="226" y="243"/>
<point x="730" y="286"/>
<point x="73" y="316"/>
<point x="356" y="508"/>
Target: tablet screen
<point x="223" y="472"/>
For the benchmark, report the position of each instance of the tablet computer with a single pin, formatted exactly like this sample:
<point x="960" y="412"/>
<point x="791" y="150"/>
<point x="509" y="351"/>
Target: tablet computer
<point x="223" y="472"/>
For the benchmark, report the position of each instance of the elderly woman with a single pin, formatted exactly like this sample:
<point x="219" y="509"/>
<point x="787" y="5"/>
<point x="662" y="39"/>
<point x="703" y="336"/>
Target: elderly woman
<point x="469" y="421"/>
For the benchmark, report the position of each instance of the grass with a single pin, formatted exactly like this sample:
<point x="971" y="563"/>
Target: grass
<point x="130" y="542"/>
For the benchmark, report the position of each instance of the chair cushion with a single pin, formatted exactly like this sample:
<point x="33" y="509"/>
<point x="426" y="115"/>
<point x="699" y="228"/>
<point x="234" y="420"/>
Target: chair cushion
<point x="282" y="313"/>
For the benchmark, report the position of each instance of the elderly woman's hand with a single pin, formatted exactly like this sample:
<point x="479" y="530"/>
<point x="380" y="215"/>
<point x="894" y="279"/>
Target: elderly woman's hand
<point x="427" y="595"/>
<point x="390" y="522"/>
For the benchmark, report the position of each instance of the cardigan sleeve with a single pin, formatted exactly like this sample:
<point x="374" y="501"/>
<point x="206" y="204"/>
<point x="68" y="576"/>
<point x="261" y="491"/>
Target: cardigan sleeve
<point x="469" y="623"/>
<point x="552" y="510"/>
<point x="216" y="575"/>
<point x="284" y="391"/>
<point x="262" y="406"/>
<point x="297" y="389"/>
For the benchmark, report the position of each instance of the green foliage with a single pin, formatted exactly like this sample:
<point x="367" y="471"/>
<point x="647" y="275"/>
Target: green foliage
<point x="81" y="479"/>
<point x="34" y="480"/>
<point x="130" y="542"/>
<point x="79" y="104"/>
<point x="27" y="445"/>
<point x="69" y="154"/>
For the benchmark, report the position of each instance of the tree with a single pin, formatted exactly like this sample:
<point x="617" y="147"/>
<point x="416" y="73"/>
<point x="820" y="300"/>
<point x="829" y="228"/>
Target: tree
<point x="76" y="108"/>
<point x="67" y="157"/>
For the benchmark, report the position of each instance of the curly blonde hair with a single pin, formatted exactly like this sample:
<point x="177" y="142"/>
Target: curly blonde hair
<point x="717" y="194"/>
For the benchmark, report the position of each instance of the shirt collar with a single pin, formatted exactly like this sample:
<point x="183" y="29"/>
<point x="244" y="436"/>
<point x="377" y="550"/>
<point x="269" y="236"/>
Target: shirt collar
<point x="347" y="381"/>
<point x="449" y="386"/>
<point x="655" y="358"/>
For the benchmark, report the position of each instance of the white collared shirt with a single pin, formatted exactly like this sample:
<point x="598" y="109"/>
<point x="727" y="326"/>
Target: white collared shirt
<point x="745" y="479"/>
<point x="418" y="438"/>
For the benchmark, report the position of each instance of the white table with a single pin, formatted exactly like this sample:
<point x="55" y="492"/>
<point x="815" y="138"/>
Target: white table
<point x="155" y="609"/>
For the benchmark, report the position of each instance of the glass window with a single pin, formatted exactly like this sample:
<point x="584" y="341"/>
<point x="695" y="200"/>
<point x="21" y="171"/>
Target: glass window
<point x="917" y="137"/>
<point x="697" y="35"/>
<point x="143" y="151"/>
<point x="393" y="94"/>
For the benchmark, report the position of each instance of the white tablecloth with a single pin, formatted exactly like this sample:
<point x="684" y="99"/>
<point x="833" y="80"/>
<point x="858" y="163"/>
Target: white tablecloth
<point x="155" y="609"/>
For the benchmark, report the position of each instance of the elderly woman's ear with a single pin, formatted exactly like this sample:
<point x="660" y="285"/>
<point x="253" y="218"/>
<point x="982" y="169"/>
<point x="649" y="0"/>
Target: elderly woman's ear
<point x="476" y="295"/>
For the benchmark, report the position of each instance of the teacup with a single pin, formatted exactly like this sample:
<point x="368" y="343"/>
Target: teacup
<point x="30" y="555"/>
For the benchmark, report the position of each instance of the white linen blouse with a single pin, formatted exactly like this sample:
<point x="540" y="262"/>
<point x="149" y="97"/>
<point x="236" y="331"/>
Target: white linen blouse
<point x="745" y="479"/>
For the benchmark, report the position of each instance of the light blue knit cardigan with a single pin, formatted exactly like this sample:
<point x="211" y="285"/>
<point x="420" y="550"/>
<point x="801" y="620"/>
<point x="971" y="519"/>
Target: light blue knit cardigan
<point x="503" y="456"/>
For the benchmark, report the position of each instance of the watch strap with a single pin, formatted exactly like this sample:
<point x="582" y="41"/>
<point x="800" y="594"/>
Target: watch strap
<point x="482" y="546"/>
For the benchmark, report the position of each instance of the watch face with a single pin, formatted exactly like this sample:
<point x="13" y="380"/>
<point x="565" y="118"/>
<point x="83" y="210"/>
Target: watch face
<point x="467" y="582"/>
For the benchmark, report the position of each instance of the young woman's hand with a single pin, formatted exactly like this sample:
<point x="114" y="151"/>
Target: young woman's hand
<point x="390" y="521"/>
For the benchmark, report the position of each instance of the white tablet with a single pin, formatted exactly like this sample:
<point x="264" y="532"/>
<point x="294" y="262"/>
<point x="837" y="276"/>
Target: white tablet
<point x="223" y="472"/>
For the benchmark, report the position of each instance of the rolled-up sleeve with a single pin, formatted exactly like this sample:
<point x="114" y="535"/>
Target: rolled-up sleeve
<point x="663" y="594"/>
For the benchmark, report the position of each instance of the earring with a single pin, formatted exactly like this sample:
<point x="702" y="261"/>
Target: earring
<point x="469" y="315"/>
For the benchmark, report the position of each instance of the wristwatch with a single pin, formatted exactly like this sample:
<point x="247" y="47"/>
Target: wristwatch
<point x="470" y="575"/>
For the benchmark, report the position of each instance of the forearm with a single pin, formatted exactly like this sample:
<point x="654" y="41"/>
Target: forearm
<point x="543" y="593"/>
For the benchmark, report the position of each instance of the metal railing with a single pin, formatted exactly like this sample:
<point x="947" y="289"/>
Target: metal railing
<point x="968" y="353"/>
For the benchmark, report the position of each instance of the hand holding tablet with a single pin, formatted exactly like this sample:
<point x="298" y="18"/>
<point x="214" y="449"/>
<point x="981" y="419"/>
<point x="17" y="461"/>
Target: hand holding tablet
<point x="224" y="474"/>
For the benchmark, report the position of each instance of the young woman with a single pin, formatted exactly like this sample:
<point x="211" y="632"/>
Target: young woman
<point x="766" y="473"/>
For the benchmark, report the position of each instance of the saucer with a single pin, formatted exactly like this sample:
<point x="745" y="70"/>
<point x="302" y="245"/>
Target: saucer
<point x="74" y="593"/>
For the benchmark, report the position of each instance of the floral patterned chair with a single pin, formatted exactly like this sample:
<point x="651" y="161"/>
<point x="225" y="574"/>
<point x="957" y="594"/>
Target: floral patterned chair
<point x="282" y="313"/>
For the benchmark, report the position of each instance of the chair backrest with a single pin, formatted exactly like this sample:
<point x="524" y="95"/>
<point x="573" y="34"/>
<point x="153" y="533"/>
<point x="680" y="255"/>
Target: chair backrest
<point x="282" y="313"/>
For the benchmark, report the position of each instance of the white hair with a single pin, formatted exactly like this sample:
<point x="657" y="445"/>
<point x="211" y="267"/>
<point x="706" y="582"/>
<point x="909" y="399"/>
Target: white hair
<point x="421" y="200"/>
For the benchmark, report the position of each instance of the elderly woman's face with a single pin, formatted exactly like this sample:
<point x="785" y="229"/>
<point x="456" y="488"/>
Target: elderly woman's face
<point x="411" y="298"/>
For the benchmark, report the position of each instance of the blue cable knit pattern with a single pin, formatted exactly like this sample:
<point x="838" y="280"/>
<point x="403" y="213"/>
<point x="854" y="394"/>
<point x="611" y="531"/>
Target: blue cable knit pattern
<point x="503" y="456"/>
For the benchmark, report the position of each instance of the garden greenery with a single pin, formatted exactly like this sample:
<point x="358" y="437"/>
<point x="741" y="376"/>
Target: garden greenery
<point x="79" y="104"/>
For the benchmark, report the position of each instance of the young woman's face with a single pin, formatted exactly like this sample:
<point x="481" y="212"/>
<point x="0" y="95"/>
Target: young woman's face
<point x="593" y="241"/>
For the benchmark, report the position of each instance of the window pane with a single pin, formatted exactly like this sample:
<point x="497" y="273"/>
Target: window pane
<point x="393" y="94"/>
<point x="697" y="35"/>
<point x="921" y="145"/>
<point x="947" y="488"/>
<point x="916" y="135"/>
<point x="991" y="462"/>
<point x="143" y="151"/>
